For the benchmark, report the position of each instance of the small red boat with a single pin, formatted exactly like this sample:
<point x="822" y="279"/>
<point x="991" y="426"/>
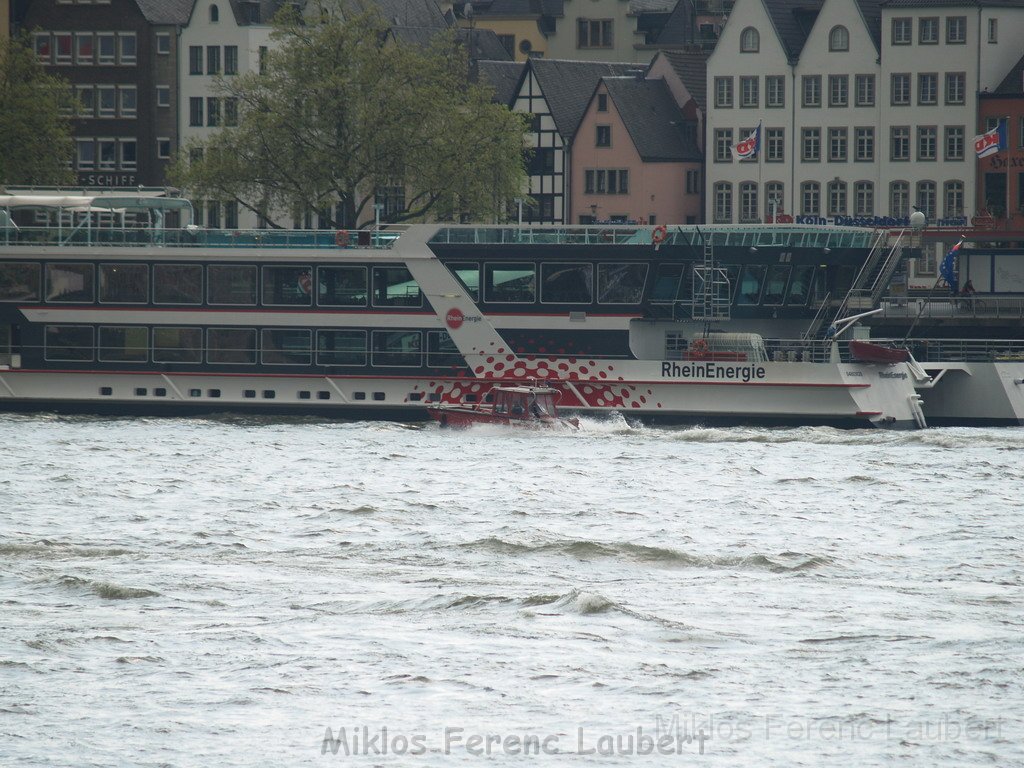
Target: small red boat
<point x="866" y="352"/>
<point x="519" y="406"/>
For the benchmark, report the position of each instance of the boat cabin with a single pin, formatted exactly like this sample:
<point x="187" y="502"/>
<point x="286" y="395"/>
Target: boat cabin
<point x="525" y="402"/>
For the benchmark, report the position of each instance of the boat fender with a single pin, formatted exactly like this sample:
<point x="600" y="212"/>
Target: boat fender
<point x="659" y="235"/>
<point x="341" y="238"/>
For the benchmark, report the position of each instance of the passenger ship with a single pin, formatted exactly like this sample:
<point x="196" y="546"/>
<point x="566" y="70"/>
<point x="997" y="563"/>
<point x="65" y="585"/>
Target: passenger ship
<point x="687" y="324"/>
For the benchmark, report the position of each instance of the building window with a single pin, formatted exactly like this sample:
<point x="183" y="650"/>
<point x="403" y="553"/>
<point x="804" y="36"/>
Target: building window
<point x="838" y="90"/>
<point x="129" y="47"/>
<point x="214" y="13"/>
<point x="163" y="43"/>
<point x="953" y="199"/>
<point x="927" y="142"/>
<point x="723" y="202"/>
<point x="62" y="47"/>
<point x="604" y="136"/>
<point x="863" y="199"/>
<point x="129" y="154"/>
<point x="902" y="31"/>
<point x="86" y="95"/>
<point x="956" y="29"/>
<point x="213" y="214"/>
<point x="748" y="202"/>
<point x="41" y="43"/>
<point x="213" y="59"/>
<point x="129" y="100"/>
<point x="927" y="88"/>
<point x="810" y="142"/>
<point x="812" y="90"/>
<point x="775" y="91"/>
<point x="899" y="199"/>
<point x="603" y="181"/>
<point x="231" y="215"/>
<point x="954" y="142"/>
<point x="773" y="196"/>
<point x="956" y="87"/>
<point x="837" y="198"/>
<point x="993" y="30"/>
<point x="775" y="145"/>
<point x="84" y="53"/>
<point x="723" y="145"/>
<point x="107" y="154"/>
<point x="750" y="40"/>
<point x="928" y="30"/>
<point x="264" y="52"/>
<point x="230" y="111"/>
<point x="810" y="198"/>
<point x="865" y="140"/>
<point x="749" y="91"/>
<point x="837" y="145"/>
<point x="926" y="198"/>
<point x="693" y="182"/>
<point x="213" y="111"/>
<point x="839" y="39"/>
<point x="593" y="33"/>
<point x="195" y="59"/>
<point x="107" y="98"/>
<point x="865" y="87"/>
<point x="85" y="154"/>
<point x="230" y="59"/>
<point x="163" y="149"/>
<point x="900" y="142"/>
<point x="195" y="111"/>
<point x="106" y="47"/>
<point x="900" y="89"/>
<point x="723" y="91"/>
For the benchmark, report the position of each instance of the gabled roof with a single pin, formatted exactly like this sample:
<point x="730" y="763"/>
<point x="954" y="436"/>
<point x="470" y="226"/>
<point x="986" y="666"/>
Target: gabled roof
<point x="568" y="86"/>
<point x="503" y="76"/>
<point x="792" y="20"/>
<point x="636" y="7"/>
<point x="652" y="118"/>
<point x="678" y="29"/>
<point x="513" y="8"/>
<point x="485" y="45"/>
<point x="692" y="68"/>
<point x="166" y="11"/>
<point x="953" y="4"/>
<point x="871" y="10"/>
<point x="402" y="13"/>
<point x="1013" y="83"/>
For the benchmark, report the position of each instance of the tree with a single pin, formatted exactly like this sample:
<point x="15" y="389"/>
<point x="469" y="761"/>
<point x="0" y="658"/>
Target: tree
<point x="35" y="129"/>
<point x="343" y="109"/>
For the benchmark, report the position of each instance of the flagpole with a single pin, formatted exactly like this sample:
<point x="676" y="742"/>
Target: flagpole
<point x="1006" y="132"/>
<point x="760" y="151"/>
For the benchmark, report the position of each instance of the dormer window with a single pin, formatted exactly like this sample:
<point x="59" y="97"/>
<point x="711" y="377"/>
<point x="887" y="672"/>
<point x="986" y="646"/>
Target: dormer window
<point x="839" y="39"/>
<point x="214" y="14"/>
<point x="750" y="40"/>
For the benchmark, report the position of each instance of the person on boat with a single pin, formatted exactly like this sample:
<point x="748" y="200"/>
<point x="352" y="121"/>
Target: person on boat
<point x="968" y="289"/>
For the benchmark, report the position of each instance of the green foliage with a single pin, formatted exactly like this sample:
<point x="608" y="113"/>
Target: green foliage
<point x="35" y="134"/>
<point x="342" y="109"/>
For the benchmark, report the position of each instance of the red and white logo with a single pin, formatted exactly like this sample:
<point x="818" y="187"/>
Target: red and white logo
<point x="454" y="318"/>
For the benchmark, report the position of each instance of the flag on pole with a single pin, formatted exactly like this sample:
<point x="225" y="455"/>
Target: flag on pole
<point x="749" y="147"/>
<point x="948" y="267"/>
<point x="992" y="141"/>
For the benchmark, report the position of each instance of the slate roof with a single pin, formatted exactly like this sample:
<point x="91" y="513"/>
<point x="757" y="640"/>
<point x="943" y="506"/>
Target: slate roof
<point x="871" y="10"/>
<point x="678" y="28"/>
<point x="793" y="20"/>
<point x="515" y="8"/>
<point x="692" y="69"/>
<point x="486" y="45"/>
<point x="953" y="4"/>
<point x="1013" y="83"/>
<point x="166" y="11"/>
<point x="568" y="86"/>
<point x="636" y="7"/>
<point x="403" y="13"/>
<point x="504" y="76"/>
<point x="652" y="118"/>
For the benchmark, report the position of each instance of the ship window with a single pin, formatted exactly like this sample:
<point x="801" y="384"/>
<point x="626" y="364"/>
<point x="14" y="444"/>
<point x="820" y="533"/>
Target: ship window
<point x="69" y="282"/>
<point x="750" y="284"/>
<point x="269" y="394"/>
<point x="341" y="287"/>
<point x="511" y="283"/>
<point x="304" y="394"/>
<point x="19" y="281"/>
<point x="177" y="345"/>
<point x="800" y="287"/>
<point x="433" y="397"/>
<point x="124" y="283"/>
<point x="566" y="283"/>
<point x="442" y="352"/>
<point x="106" y="391"/>
<point x="286" y="346"/>
<point x="470" y="398"/>
<point x="415" y="397"/>
<point x="468" y="273"/>
<point x="668" y="282"/>
<point x="621" y="283"/>
<point x="378" y="396"/>
<point x="396" y="348"/>
<point x="195" y="393"/>
<point x="358" y="395"/>
<point x="323" y="395"/>
<point x="394" y="287"/>
<point x="231" y="284"/>
<point x="341" y="347"/>
<point x="124" y="343"/>
<point x="160" y="392"/>
<point x="69" y="342"/>
<point x="178" y="283"/>
<point x="231" y="345"/>
<point x="287" y="286"/>
<point x="213" y="393"/>
<point x="775" y="285"/>
<point x="249" y="394"/>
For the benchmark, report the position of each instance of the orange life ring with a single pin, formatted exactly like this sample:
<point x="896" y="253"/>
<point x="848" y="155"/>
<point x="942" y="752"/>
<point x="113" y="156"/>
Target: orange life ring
<point x="659" y="235"/>
<point x="341" y="238"/>
<point x="699" y="349"/>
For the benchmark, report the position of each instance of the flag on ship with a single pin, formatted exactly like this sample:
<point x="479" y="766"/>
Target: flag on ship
<point x="948" y="267"/>
<point x="750" y="146"/>
<point x="992" y="141"/>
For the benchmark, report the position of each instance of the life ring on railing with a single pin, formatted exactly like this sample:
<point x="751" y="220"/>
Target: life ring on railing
<point x="341" y="238"/>
<point x="659" y="235"/>
<point x="699" y="349"/>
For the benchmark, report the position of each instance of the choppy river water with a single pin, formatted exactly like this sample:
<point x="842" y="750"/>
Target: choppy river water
<point x="246" y="592"/>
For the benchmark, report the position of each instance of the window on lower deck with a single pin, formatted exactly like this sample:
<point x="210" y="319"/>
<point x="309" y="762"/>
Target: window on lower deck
<point x="341" y="347"/>
<point x="231" y="345"/>
<point x="286" y="346"/>
<point x="69" y="342"/>
<point x="177" y="345"/>
<point x="396" y="348"/>
<point x="442" y="352"/>
<point x="122" y="343"/>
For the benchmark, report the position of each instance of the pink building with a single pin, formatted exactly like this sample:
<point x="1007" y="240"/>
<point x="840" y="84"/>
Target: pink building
<point x="635" y="157"/>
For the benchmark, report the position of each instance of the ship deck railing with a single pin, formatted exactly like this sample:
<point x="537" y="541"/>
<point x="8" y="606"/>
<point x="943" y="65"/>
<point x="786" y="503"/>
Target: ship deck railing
<point x="944" y="350"/>
<point x="195" y="237"/>
<point x="981" y="306"/>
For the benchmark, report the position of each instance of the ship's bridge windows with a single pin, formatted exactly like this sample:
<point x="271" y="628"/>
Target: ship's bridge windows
<point x="231" y="284"/>
<point x="751" y="281"/>
<point x="341" y="286"/>
<point x="124" y="283"/>
<point x="177" y="345"/>
<point x="800" y="287"/>
<point x="441" y="351"/>
<point x="124" y="344"/>
<point x="395" y="287"/>
<point x="286" y="346"/>
<point x="341" y="347"/>
<point x="566" y="283"/>
<point x="621" y="283"/>
<point x="510" y="283"/>
<point x="69" y="342"/>
<point x="290" y="286"/>
<point x="669" y="282"/>
<point x="235" y="346"/>
<point x="775" y="285"/>
<point x="70" y="282"/>
<point x="178" y="283"/>
<point x="396" y="348"/>
<point x="467" y="273"/>
<point x="19" y="281"/>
